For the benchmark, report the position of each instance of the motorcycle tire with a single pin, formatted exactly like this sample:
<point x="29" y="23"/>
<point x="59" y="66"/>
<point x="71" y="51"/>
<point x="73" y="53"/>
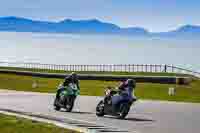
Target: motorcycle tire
<point x="70" y="104"/>
<point x="56" y="106"/>
<point x="124" y="110"/>
<point x="100" y="109"/>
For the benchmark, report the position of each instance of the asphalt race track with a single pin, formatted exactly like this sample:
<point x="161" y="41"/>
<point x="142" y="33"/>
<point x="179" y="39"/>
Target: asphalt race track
<point x="144" y="117"/>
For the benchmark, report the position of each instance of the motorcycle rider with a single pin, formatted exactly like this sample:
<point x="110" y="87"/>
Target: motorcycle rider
<point x="125" y="88"/>
<point x="128" y="86"/>
<point x="73" y="79"/>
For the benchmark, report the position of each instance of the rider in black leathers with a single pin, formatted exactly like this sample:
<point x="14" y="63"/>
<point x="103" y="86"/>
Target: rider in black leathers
<point x="72" y="78"/>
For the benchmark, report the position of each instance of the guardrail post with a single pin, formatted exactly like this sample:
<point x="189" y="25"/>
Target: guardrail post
<point x="146" y="69"/>
<point x="136" y="68"/>
<point x="165" y="69"/>
<point x="83" y="67"/>
<point x="172" y="69"/>
<point x="132" y="67"/>
<point x="160" y="68"/>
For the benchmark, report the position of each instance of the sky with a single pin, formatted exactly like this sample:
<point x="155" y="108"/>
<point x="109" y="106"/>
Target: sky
<point x="154" y="15"/>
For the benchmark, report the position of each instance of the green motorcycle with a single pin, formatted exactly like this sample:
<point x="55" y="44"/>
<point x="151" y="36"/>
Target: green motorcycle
<point x="67" y="98"/>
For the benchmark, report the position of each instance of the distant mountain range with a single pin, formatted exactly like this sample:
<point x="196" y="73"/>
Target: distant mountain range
<point x="93" y="26"/>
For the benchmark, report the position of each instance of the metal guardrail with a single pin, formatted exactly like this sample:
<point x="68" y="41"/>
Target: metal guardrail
<point x="98" y="68"/>
<point x="184" y="71"/>
<point x="104" y="68"/>
<point x="147" y="79"/>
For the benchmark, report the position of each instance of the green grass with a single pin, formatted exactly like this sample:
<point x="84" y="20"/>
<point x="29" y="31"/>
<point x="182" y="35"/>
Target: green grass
<point x="94" y="72"/>
<point x="11" y="124"/>
<point x="190" y="93"/>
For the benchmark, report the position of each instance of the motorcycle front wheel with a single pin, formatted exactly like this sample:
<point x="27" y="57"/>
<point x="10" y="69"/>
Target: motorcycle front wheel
<point x="56" y="106"/>
<point x="70" y="103"/>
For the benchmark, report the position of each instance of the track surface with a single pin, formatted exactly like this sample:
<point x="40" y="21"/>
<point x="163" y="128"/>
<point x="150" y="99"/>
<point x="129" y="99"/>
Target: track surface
<point x="144" y="117"/>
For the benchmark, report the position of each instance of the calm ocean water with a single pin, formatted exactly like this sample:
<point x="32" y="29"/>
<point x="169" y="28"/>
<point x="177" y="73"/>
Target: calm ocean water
<point x="93" y="49"/>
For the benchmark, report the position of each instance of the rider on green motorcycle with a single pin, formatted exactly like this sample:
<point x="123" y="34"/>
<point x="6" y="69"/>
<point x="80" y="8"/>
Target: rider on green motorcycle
<point x="69" y="81"/>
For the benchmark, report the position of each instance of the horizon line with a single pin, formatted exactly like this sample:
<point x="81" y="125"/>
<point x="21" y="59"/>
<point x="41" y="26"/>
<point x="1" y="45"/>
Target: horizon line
<point x="95" y="19"/>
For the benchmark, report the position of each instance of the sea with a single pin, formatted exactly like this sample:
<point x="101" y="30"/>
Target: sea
<point x="98" y="49"/>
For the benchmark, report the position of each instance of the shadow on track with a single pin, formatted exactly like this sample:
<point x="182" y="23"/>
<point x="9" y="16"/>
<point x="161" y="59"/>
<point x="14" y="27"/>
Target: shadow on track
<point x="139" y="119"/>
<point x="77" y="112"/>
<point x="132" y="119"/>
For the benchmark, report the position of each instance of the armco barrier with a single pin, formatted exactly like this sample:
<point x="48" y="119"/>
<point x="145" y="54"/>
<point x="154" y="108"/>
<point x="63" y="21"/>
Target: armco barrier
<point x="148" y="79"/>
<point x="152" y="68"/>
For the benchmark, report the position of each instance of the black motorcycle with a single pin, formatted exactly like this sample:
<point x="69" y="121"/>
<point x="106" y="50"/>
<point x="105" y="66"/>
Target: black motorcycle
<point x="120" y="110"/>
<point x="66" y="98"/>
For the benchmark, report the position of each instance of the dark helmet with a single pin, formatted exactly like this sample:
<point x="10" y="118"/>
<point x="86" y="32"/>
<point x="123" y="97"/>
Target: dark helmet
<point x="131" y="83"/>
<point x="73" y="75"/>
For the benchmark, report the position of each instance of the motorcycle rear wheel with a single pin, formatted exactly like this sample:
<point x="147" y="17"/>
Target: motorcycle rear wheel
<point x="124" y="110"/>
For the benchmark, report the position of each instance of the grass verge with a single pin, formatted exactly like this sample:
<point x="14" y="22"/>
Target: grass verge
<point x="12" y="124"/>
<point x="190" y="93"/>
